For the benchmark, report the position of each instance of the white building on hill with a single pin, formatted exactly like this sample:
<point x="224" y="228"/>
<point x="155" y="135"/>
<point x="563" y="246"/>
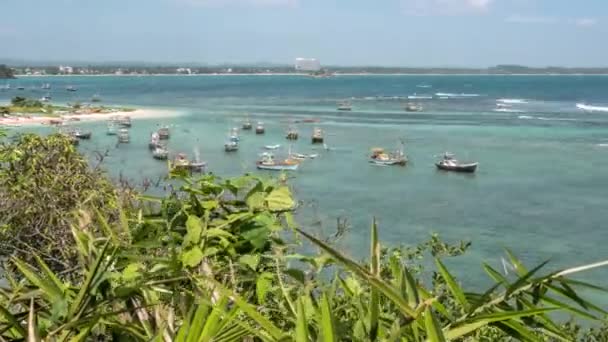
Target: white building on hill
<point x="307" y="64"/>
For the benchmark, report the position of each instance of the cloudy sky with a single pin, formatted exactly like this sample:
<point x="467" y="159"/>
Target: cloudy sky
<point x="338" y="32"/>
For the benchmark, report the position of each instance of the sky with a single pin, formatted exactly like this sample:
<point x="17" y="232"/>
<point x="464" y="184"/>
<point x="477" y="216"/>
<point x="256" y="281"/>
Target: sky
<point x="456" y="33"/>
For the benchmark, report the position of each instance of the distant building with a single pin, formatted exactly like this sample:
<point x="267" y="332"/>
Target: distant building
<point x="307" y="64"/>
<point x="66" y="69"/>
<point x="184" y="71"/>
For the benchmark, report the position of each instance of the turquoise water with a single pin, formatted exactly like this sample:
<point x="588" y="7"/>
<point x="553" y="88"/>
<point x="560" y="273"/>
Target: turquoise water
<point x="541" y="188"/>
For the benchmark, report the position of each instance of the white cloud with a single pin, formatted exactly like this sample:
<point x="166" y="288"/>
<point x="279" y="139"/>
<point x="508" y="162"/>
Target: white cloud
<point x="252" y="3"/>
<point x="585" y="22"/>
<point x="445" y="7"/>
<point x="526" y="19"/>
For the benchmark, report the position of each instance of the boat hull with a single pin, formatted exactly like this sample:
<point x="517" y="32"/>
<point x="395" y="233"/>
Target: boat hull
<point x="464" y="168"/>
<point x="317" y="140"/>
<point x="389" y="162"/>
<point x="280" y="167"/>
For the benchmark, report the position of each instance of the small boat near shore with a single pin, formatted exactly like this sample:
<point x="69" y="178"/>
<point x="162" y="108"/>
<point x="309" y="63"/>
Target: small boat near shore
<point x="111" y="130"/>
<point x="154" y="141"/>
<point x="163" y="133"/>
<point x="259" y="128"/>
<point x="292" y="134"/>
<point x="268" y="162"/>
<point x="123" y="136"/>
<point x="247" y="125"/>
<point x="96" y="98"/>
<point x="46" y="86"/>
<point x="272" y="147"/>
<point x="124" y="121"/>
<point x="317" y="136"/>
<point x="70" y="88"/>
<point x="160" y="153"/>
<point x="449" y="163"/>
<point x="300" y="156"/>
<point x="83" y="135"/>
<point x="231" y="146"/>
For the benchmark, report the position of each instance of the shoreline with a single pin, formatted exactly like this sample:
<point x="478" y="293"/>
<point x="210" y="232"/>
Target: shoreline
<point x="303" y="75"/>
<point x="142" y="113"/>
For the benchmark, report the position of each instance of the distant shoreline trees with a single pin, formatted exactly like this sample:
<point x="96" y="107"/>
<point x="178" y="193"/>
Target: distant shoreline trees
<point x="6" y="72"/>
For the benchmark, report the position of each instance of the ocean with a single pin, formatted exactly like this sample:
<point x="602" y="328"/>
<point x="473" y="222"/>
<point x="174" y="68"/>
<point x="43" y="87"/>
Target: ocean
<point x="541" y="188"/>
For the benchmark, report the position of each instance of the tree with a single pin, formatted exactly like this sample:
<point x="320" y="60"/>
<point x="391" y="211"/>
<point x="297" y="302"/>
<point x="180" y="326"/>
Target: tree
<point x="43" y="180"/>
<point x="6" y="72"/>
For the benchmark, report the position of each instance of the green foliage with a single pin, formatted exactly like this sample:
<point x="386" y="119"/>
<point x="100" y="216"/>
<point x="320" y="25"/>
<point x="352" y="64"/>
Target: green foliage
<point x="43" y="180"/>
<point x="19" y="101"/>
<point x="216" y="261"/>
<point x="6" y="72"/>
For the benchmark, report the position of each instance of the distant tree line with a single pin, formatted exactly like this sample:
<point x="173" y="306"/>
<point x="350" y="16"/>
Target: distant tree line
<point x="6" y="72"/>
<point x="288" y="69"/>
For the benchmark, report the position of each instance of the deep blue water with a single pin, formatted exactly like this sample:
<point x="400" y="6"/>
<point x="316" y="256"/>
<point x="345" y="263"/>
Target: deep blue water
<point x="541" y="188"/>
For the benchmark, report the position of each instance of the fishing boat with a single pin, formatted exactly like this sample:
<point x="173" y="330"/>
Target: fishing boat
<point x="96" y="98"/>
<point x="163" y="133"/>
<point x="234" y="135"/>
<point x="124" y="121"/>
<point x="70" y="88"/>
<point x="292" y="133"/>
<point x="413" y="107"/>
<point x="272" y="147"/>
<point x="267" y="162"/>
<point x="381" y="157"/>
<point x="317" y="136"/>
<point x="46" y="86"/>
<point x="345" y="106"/>
<point x="259" y="128"/>
<point x="231" y="146"/>
<point x="111" y="128"/>
<point x="181" y="163"/>
<point x="300" y="156"/>
<point x="83" y="135"/>
<point x="46" y="98"/>
<point x="123" y="136"/>
<point x="160" y="153"/>
<point x="20" y="88"/>
<point x="247" y="125"/>
<point x="449" y="163"/>
<point x="154" y="141"/>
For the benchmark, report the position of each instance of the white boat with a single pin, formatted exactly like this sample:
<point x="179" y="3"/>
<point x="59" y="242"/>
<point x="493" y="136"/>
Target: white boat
<point x="231" y="146"/>
<point x="163" y="133"/>
<point x="160" y="153"/>
<point x="382" y="158"/>
<point x="591" y="109"/>
<point x="267" y="162"/>
<point x="413" y="107"/>
<point x="259" y="128"/>
<point x="154" y="141"/>
<point x="96" y="98"/>
<point x="234" y="135"/>
<point x="300" y="156"/>
<point x="70" y="88"/>
<point x="345" y="106"/>
<point x="272" y="147"/>
<point x="123" y="136"/>
<point x="419" y="97"/>
<point x="111" y="128"/>
<point x="46" y="86"/>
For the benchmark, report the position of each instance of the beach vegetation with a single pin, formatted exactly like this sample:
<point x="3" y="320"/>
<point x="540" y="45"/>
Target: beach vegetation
<point x="225" y="260"/>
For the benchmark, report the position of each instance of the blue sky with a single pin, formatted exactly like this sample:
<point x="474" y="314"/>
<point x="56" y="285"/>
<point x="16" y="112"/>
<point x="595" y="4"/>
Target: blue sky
<point x="345" y="32"/>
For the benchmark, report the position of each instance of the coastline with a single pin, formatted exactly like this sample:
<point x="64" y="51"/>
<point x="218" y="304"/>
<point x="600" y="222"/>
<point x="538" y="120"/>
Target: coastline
<point x="142" y="113"/>
<point x="303" y="75"/>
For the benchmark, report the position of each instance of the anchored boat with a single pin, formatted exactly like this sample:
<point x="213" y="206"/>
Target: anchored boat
<point x="259" y="129"/>
<point x="163" y="133"/>
<point x="449" y="163"/>
<point x="292" y="133"/>
<point x="345" y="106"/>
<point x="267" y="162"/>
<point x="123" y="136"/>
<point x="317" y="136"/>
<point x="380" y="157"/>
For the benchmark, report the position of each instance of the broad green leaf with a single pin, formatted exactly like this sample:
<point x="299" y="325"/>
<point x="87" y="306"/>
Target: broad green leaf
<point x="433" y="329"/>
<point x="48" y="288"/>
<point x="192" y="257"/>
<point x="327" y="321"/>
<point x="255" y="201"/>
<point x="453" y="286"/>
<point x="262" y="286"/>
<point x="374" y="305"/>
<point x="301" y="325"/>
<point x="194" y="228"/>
<point x="251" y="260"/>
<point x="386" y="288"/>
<point x="280" y="199"/>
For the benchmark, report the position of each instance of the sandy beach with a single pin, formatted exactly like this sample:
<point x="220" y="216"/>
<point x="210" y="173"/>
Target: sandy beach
<point x="45" y="120"/>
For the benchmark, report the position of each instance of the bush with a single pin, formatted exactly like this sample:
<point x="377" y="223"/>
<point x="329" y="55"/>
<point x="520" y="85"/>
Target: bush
<point x="43" y="180"/>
